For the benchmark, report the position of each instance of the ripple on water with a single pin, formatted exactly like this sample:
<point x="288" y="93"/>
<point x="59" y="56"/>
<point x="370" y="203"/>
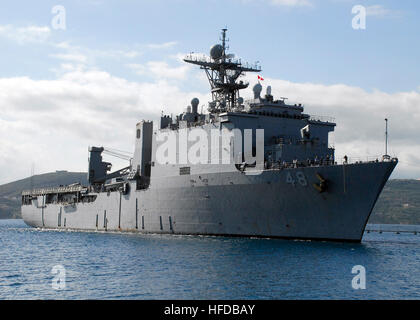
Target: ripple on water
<point x="154" y="266"/>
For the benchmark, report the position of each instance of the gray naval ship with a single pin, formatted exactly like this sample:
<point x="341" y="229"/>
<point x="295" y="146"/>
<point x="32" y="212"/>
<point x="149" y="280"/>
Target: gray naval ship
<point x="187" y="177"/>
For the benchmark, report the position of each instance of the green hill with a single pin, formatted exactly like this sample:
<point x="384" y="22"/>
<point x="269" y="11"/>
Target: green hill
<point x="399" y="202"/>
<point x="10" y="193"/>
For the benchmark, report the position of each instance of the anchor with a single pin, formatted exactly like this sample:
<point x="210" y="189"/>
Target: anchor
<point x="322" y="185"/>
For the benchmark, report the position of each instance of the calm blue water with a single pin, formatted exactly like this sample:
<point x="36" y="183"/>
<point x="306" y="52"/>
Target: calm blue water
<point x="128" y="266"/>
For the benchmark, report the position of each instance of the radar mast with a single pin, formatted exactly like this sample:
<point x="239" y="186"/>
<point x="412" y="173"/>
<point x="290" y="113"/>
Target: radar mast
<point x="223" y="72"/>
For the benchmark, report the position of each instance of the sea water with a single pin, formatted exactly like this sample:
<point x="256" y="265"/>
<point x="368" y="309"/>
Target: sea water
<point x="47" y="264"/>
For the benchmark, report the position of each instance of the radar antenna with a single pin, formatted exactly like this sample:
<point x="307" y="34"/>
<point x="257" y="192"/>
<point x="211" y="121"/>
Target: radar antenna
<point x="223" y="71"/>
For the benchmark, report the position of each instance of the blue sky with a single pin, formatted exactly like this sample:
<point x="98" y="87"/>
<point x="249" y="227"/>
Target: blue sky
<point x="309" y="43"/>
<point x="120" y="61"/>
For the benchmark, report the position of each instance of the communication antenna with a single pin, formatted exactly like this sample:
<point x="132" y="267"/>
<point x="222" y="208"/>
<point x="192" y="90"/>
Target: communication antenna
<point x="223" y="73"/>
<point x="386" y="136"/>
<point x="224" y="40"/>
<point x="386" y="156"/>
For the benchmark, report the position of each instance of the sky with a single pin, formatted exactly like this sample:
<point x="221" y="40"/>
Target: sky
<point x="87" y="77"/>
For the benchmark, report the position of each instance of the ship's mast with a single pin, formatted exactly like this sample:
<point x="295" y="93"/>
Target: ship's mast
<point x="223" y="72"/>
<point x="224" y="39"/>
<point x="386" y="136"/>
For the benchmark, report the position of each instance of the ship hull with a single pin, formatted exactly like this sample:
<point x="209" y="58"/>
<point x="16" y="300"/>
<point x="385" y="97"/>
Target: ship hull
<point x="276" y="203"/>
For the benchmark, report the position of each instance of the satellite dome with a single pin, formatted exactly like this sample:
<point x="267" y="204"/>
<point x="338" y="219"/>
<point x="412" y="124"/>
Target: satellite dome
<point x="257" y="90"/>
<point x="216" y="51"/>
<point x="194" y="103"/>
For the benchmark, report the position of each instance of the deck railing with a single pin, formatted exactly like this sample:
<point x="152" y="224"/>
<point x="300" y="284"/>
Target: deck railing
<point x="43" y="191"/>
<point x="321" y="118"/>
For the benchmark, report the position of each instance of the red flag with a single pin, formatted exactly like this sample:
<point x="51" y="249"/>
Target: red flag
<point x="260" y="78"/>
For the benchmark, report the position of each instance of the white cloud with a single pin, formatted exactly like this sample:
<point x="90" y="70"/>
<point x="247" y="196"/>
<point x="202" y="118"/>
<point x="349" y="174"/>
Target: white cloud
<point x="23" y="35"/>
<point x="52" y="122"/>
<point x="161" y="45"/>
<point x="114" y="54"/>
<point x="63" y="45"/>
<point x="282" y="3"/>
<point x="160" y="70"/>
<point x="129" y="54"/>
<point x="291" y="3"/>
<point x="360" y="115"/>
<point x="82" y="54"/>
<point x="380" y="11"/>
<point x="70" y="57"/>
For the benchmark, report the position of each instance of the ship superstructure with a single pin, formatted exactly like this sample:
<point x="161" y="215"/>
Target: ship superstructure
<point x="186" y="177"/>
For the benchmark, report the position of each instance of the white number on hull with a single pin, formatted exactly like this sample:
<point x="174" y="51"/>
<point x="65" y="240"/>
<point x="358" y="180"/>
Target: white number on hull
<point x="300" y="177"/>
<point x="289" y="179"/>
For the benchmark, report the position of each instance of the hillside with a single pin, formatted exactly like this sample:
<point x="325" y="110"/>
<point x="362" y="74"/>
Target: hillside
<point x="399" y="202"/>
<point x="10" y="192"/>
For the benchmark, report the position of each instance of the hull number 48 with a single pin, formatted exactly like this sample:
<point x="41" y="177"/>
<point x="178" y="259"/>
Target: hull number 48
<point x="299" y="178"/>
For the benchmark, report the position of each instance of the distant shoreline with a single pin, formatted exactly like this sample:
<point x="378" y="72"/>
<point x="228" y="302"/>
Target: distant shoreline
<point x="398" y="228"/>
<point x="398" y="204"/>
